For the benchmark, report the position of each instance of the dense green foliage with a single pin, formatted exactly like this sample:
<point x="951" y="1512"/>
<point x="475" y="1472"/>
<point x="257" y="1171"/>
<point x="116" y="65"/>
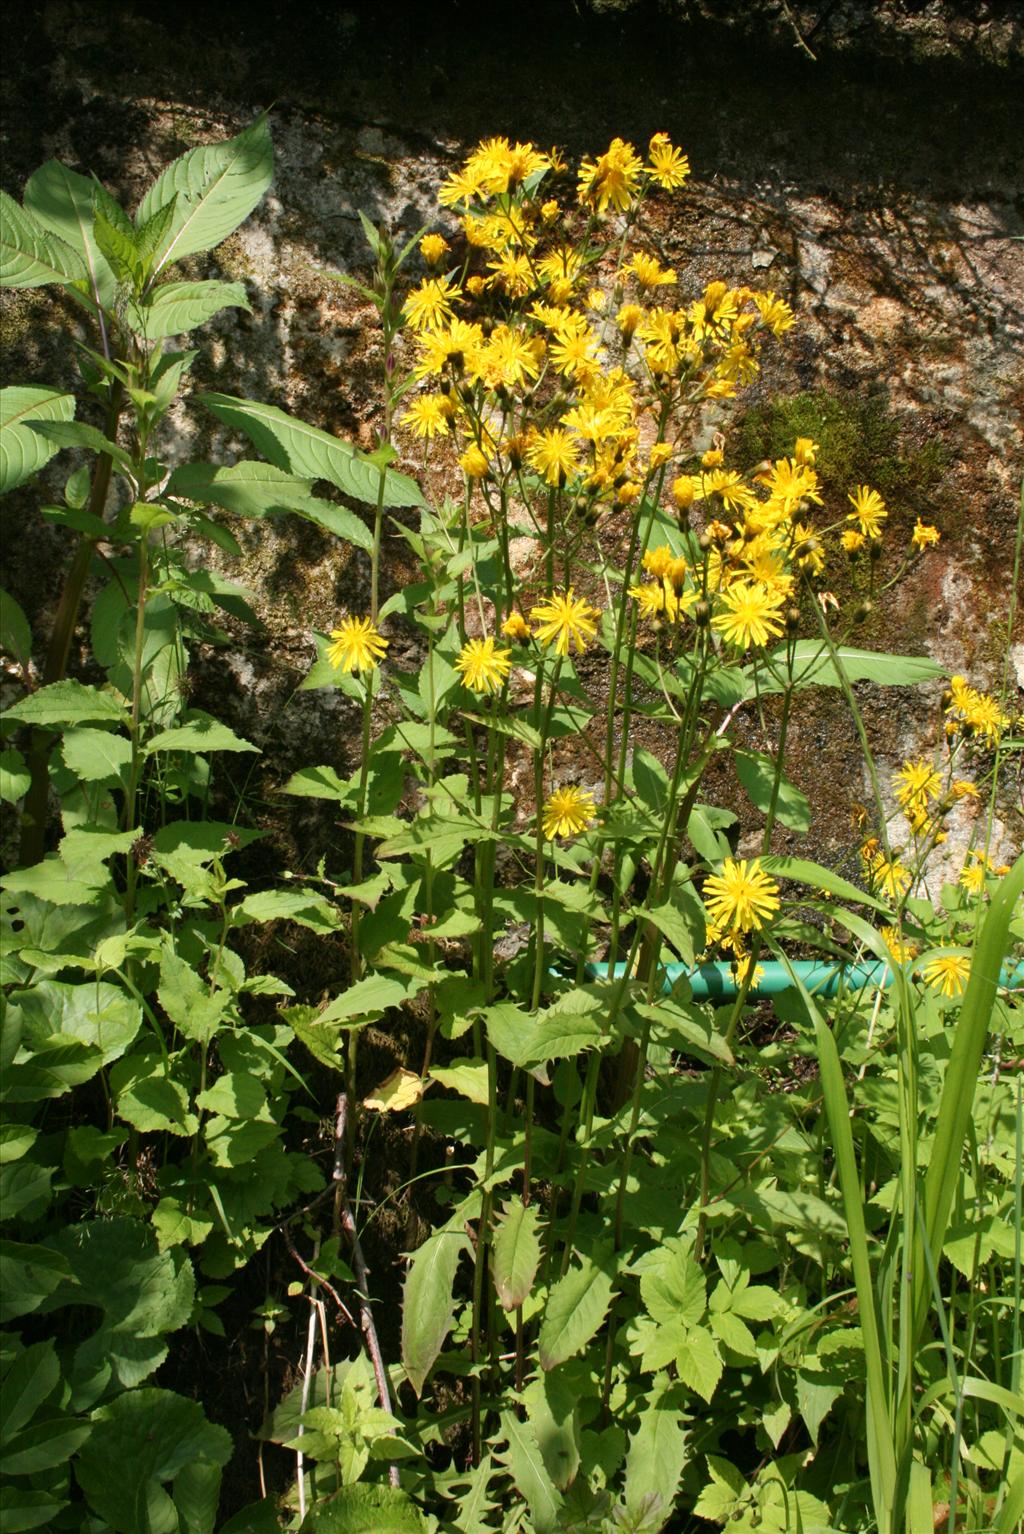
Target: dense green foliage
<point x="757" y="1264"/>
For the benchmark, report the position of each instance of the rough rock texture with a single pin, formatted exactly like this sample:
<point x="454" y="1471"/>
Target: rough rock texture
<point x="877" y="190"/>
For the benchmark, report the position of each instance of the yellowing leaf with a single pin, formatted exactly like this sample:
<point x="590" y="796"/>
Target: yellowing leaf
<point x="400" y="1090"/>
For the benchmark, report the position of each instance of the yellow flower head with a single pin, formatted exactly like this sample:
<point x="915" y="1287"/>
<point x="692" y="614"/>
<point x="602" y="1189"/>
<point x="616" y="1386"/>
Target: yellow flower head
<point x="916" y="783"/>
<point x="430" y="305"/>
<point x="483" y="666"/>
<point x="474" y="463"/>
<point x="613" y="179"/>
<point x="660" y="454"/>
<point x="947" y="974"/>
<point x="901" y="951"/>
<point x="649" y="272"/>
<point x="433" y="247"/>
<point x="742" y="897"/>
<point x="565" y="619"/>
<point x="868" y="511"/>
<point x="357" y="646"/>
<point x="515" y="627"/>
<point x="428" y="415"/>
<point x="805" y="451"/>
<point x="555" y="455"/>
<point x="974" y="872"/>
<point x="852" y="540"/>
<point x="683" y="491"/>
<point x="549" y="211"/>
<point x="656" y="561"/>
<point x="668" y="167"/>
<point x="749" y="614"/>
<point x="568" y="812"/>
<point x="628" y="318"/>
<point x="924" y="534"/>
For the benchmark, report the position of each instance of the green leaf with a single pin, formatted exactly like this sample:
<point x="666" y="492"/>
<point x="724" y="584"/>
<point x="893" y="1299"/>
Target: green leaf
<point x="216" y="187"/>
<point x="62" y="202"/>
<point x="64" y="704"/>
<point x="551" y="1402"/>
<point x="148" y="1098"/>
<point x="428" y="1303"/>
<point x="21" y="1508"/>
<point x="15" y="634"/>
<point x="304" y="906"/>
<point x="704" y="830"/>
<point x="674" y="925"/>
<point x="814" y="667"/>
<point x="311" y="453"/>
<point x="140" y="1441"/>
<point x="656" y="1458"/>
<point x="116" y="240"/>
<point x="98" y="1014"/>
<point x="200" y="733"/>
<point x="757" y="774"/>
<point x="23" y="452"/>
<point x="196" y="1495"/>
<point x="467" y="1077"/>
<point x="515" y="1253"/>
<point x="97" y="756"/>
<point x="43" y="1445"/>
<point x="79" y="434"/>
<point x="31" y="257"/>
<point x="28" y="1276"/>
<point x="688" y="1028"/>
<point x="526" y="1466"/>
<point x="369" y="997"/>
<point x="177" y="307"/>
<point x="803" y="871"/>
<point x="364" y="1509"/>
<point x="576" y="1308"/>
<point x="15" y="777"/>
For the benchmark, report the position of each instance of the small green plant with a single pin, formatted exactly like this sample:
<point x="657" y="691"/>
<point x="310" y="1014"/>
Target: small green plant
<point x="699" y="1230"/>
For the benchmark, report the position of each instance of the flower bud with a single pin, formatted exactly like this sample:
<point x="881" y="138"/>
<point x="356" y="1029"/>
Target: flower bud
<point x="793" y="619"/>
<point x="862" y="611"/>
<point x="701" y="613"/>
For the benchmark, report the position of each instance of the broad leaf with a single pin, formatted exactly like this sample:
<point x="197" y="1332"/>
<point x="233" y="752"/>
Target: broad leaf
<point x="530" y="1474"/>
<point x="515" y="1253"/>
<point x="428" y="1303"/>
<point x="15" y="634"/>
<point x="200" y="733"/>
<point x="657" y="1455"/>
<point x="23" y="451"/>
<point x="97" y="756"/>
<point x="576" y="1308"/>
<point x="30" y="257"/>
<point x="177" y="307"/>
<point x="814" y="667"/>
<point x="253" y="489"/>
<point x="757" y="774"/>
<point x="364" y="1509"/>
<point x="311" y="453"/>
<point x="216" y="187"/>
<point x="66" y="703"/>
<point x="62" y="201"/>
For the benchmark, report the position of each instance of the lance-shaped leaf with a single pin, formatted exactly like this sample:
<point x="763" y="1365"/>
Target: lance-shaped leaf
<point x="576" y="1307"/>
<point x="23" y="451"/>
<point x="177" y="307"/>
<point x="529" y="1472"/>
<point x="216" y="185"/>
<point x="814" y="667"/>
<point x="31" y="257"/>
<point x="251" y="489"/>
<point x="314" y="454"/>
<point x="515" y="1253"/>
<point x="62" y="201"/>
<point x="657" y="1455"/>
<point x="428" y="1303"/>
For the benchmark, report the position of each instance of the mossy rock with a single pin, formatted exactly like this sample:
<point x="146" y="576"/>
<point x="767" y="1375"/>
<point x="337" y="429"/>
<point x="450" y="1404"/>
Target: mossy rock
<point x="861" y="441"/>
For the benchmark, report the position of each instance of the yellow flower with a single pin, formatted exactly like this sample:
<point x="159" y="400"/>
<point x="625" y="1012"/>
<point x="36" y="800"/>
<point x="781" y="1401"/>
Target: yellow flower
<point x="742" y="897"/>
<point x="475" y="285"/>
<point x="509" y="357"/>
<point x="597" y="299"/>
<point x="567" y="812"/>
<point x="668" y="166"/>
<point x="656" y="561"/>
<point x="649" y="272"/>
<point x="555" y="455"/>
<point x="962" y="788"/>
<point x="868" y="511"/>
<point x="947" y="974"/>
<point x="924" y="534"/>
<point x="660" y="454"/>
<point x="750" y="616"/>
<point x="565" y="619"/>
<point x="515" y="627"/>
<point x="776" y="315"/>
<point x="628" y="318"/>
<point x="474" y="463"/>
<point x="430" y="305"/>
<point x="433" y="247"/>
<point x="428" y="416"/>
<point x="649" y="596"/>
<point x="805" y="451"/>
<point x="902" y="951"/>
<point x="358" y="645"/>
<point x="916" y="783"/>
<point x="683" y="491"/>
<point x="974" y="872"/>
<point x="882" y="873"/>
<point x="613" y="179"/>
<point x="484" y="668"/>
<point x="851" y="540"/>
<point x="549" y="211"/>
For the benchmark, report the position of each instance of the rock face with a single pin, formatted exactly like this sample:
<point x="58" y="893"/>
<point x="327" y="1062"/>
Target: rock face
<point x="877" y="190"/>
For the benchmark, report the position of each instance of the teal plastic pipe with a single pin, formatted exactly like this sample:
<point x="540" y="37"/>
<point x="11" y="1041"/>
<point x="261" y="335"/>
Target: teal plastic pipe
<point x="716" y="982"/>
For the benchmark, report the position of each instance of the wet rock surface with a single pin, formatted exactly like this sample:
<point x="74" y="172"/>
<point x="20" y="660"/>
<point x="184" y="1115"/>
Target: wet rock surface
<point x="877" y="190"/>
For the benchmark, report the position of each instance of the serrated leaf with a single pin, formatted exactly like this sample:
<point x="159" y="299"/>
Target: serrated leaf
<point x="29" y="1275"/>
<point x="814" y="667"/>
<point x="98" y="1014"/>
<point x="140" y="1441"/>
<point x="15" y="778"/>
<point x="467" y="1077"/>
<point x="97" y="756"/>
<point x="528" y="1471"/>
<point x="79" y="434"/>
<point x="699" y="1362"/>
<point x="428" y="1303"/>
<point x="21" y="1508"/>
<point x="31" y="257"/>
<point x="304" y="906"/>
<point x="365" y="1509"/>
<point x="576" y="1308"/>
<point x="43" y="1445"/>
<point x="23" y="452"/>
<point x="253" y="489"/>
<point x="310" y="453"/>
<point x="15" y="634"/>
<point x="200" y="733"/>
<point x="31" y="1379"/>
<point x="368" y="997"/>
<point x="116" y="241"/>
<point x="149" y="1099"/>
<point x="175" y="308"/>
<point x="515" y="1253"/>
<point x="216" y="187"/>
<point x="656" y="1457"/>
<point x="552" y="1402"/>
<point x="67" y="703"/>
